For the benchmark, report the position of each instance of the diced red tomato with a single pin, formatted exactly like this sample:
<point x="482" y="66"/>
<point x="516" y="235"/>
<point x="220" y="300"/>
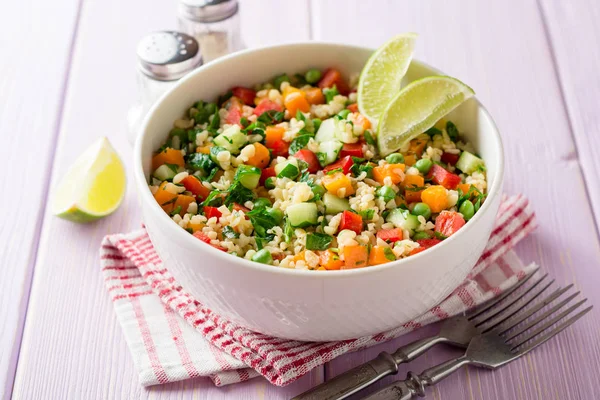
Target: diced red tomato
<point x="210" y="212"/>
<point x="351" y="221"/>
<point x="353" y="107"/>
<point x="247" y="95"/>
<point x="194" y="185"/>
<point x="204" y="237"/>
<point x="234" y="116"/>
<point x="333" y="77"/>
<point x="266" y="105"/>
<point x="449" y="158"/>
<point x="390" y="235"/>
<point x="239" y="207"/>
<point x="449" y="222"/>
<point x="424" y="245"/>
<point x="266" y="173"/>
<point x="310" y="158"/>
<point x="352" y="149"/>
<point x="280" y="148"/>
<point x="441" y="176"/>
<point x="344" y="164"/>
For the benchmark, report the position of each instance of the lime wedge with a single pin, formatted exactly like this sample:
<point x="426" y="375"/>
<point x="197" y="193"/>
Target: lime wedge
<point x="416" y="108"/>
<point x="380" y="78"/>
<point x="93" y="187"/>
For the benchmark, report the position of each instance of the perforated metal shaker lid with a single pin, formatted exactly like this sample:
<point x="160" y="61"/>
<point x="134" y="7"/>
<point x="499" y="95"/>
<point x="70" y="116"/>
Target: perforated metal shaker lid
<point x="208" y="10"/>
<point x="168" y="55"/>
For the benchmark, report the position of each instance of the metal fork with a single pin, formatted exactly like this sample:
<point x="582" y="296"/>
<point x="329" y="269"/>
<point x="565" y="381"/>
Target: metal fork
<point x="457" y="331"/>
<point x="505" y="340"/>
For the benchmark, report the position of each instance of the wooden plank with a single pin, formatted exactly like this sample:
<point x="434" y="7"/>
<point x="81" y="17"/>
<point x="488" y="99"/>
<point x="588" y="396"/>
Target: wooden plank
<point x="572" y="26"/>
<point x="72" y="345"/>
<point x="32" y="82"/>
<point x="501" y="50"/>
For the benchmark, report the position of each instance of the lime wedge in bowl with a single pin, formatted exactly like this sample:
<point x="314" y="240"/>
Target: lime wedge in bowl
<point x="382" y="74"/>
<point x="93" y="187"/>
<point x="416" y="108"/>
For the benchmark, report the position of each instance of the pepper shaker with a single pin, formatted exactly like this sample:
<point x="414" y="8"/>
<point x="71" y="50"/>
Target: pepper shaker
<point x="163" y="58"/>
<point x="214" y="23"/>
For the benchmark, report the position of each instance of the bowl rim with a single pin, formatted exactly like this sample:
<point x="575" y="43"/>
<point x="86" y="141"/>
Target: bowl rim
<point x="178" y="234"/>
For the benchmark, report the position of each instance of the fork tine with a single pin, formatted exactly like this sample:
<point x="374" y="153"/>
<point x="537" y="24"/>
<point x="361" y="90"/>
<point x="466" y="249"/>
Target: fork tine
<point x="553" y="333"/>
<point x="492" y="302"/>
<point x="557" y="293"/>
<point x="513" y="302"/>
<point x="547" y="325"/>
<point x="521" y="308"/>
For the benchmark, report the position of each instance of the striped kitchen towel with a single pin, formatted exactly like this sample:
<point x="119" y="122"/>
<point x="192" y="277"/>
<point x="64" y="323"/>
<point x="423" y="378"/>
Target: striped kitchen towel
<point x="173" y="337"/>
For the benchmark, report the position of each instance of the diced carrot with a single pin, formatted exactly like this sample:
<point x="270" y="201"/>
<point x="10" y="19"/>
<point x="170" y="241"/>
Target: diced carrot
<point x="417" y="146"/>
<point x="204" y="149"/>
<point x="393" y="171"/>
<point x="295" y="102"/>
<point x="195" y="227"/>
<point x="412" y="196"/>
<point x="289" y="90"/>
<point x="300" y="256"/>
<point x="273" y="135"/>
<point x="165" y="198"/>
<point x="356" y="256"/>
<point x="184" y="201"/>
<point x="410" y="183"/>
<point x="321" y="269"/>
<point x="314" y="95"/>
<point x="168" y="156"/>
<point x="353" y="107"/>
<point x="261" y="157"/>
<point x="338" y="184"/>
<point x="330" y="260"/>
<point x="410" y="159"/>
<point x="464" y="187"/>
<point x="194" y="185"/>
<point x="435" y="197"/>
<point x="381" y="255"/>
<point x="360" y="119"/>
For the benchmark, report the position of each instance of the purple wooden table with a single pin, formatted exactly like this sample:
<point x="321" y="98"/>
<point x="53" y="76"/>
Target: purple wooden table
<point x="67" y="77"/>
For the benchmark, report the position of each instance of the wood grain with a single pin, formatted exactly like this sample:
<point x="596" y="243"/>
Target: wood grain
<point x="72" y="344"/>
<point x="32" y="79"/>
<point x="501" y="50"/>
<point x="575" y="36"/>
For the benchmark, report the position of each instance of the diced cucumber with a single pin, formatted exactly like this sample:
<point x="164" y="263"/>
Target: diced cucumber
<point x="214" y="151"/>
<point x="329" y="151"/>
<point x="232" y="139"/>
<point x="327" y="131"/>
<point x="469" y="163"/>
<point x="302" y="215"/>
<point x="165" y="172"/>
<point x="287" y="169"/>
<point x="248" y="176"/>
<point x="403" y="219"/>
<point x="335" y="205"/>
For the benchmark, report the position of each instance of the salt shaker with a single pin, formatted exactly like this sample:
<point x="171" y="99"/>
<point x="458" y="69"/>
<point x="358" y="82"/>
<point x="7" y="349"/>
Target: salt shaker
<point x="163" y="58"/>
<point x="214" y="23"/>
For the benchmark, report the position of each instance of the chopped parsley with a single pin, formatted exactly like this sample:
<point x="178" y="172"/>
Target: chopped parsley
<point x="318" y="241"/>
<point x="271" y="117"/>
<point x="330" y="93"/>
<point x="452" y="131"/>
<point x="229" y="233"/>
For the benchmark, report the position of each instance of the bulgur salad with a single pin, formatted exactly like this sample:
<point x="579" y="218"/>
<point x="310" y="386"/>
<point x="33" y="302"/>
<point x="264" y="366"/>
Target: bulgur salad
<point x="288" y="174"/>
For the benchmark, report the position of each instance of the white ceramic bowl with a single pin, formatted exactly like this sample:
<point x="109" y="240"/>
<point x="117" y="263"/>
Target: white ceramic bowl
<point x="311" y="305"/>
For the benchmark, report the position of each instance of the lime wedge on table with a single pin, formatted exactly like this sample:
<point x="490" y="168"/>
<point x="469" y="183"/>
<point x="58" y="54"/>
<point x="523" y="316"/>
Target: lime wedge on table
<point x="93" y="187"/>
<point x="416" y="108"/>
<point x="380" y="78"/>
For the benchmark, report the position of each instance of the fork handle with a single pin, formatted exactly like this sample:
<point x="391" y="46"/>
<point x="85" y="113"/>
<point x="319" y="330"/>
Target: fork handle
<point x="359" y="377"/>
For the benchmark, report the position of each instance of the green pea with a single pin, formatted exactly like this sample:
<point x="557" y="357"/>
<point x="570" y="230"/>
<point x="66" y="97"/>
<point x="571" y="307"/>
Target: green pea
<point x="422" y="209"/>
<point x="395" y="158"/>
<point x="276" y="214"/>
<point x="270" y="183"/>
<point x="262" y="256"/>
<point x="386" y="192"/>
<point x="467" y="209"/>
<point x="279" y="80"/>
<point x="423" y="165"/>
<point x="312" y="75"/>
<point x="420" y="235"/>
<point x="318" y="191"/>
<point x="344" y="113"/>
<point x="262" y="202"/>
